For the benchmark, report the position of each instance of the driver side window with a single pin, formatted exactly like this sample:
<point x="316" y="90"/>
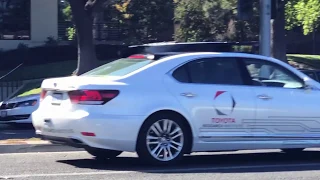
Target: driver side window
<point x="269" y="74"/>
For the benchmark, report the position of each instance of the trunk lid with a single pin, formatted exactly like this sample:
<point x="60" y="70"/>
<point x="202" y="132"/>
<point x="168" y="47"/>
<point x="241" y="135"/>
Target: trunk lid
<point x="55" y="91"/>
<point x="80" y="82"/>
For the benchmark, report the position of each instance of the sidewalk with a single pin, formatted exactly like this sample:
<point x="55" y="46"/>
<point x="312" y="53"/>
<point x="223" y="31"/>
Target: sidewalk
<point x="23" y="141"/>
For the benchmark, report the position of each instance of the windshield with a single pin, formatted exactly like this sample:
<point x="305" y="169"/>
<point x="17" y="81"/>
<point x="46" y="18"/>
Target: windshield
<point x="119" y="67"/>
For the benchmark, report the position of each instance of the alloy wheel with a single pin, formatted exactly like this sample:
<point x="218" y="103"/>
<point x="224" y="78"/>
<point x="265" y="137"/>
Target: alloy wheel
<point x="165" y="140"/>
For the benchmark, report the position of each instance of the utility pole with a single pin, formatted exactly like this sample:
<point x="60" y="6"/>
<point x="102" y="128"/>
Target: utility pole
<point x="265" y="27"/>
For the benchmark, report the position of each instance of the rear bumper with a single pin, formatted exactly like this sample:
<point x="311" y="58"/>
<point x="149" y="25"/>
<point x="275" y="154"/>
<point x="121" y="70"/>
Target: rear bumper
<point x="114" y="132"/>
<point x="64" y="141"/>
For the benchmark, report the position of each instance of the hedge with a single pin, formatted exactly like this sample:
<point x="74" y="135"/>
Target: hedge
<point x="50" y="54"/>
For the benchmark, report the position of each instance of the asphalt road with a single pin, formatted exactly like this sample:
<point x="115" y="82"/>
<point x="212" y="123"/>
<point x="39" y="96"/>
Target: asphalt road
<point x="16" y="132"/>
<point x="246" y="165"/>
<point x="243" y="165"/>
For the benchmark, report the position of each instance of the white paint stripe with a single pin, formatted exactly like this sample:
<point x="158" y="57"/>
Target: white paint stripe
<point x="40" y="153"/>
<point x="178" y="170"/>
<point x="64" y="174"/>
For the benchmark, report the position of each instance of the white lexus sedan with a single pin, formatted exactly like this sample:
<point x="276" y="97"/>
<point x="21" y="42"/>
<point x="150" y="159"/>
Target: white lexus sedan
<point x="163" y="108"/>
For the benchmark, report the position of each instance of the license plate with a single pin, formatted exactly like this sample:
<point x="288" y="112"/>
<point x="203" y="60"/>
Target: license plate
<point x="3" y="114"/>
<point x="56" y="98"/>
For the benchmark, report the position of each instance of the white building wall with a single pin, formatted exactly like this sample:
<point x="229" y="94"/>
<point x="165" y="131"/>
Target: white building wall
<point x="44" y="23"/>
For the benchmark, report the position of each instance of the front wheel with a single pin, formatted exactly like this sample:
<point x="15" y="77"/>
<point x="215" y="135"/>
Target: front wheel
<point x="163" y="139"/>
<point x="103" y="153"/>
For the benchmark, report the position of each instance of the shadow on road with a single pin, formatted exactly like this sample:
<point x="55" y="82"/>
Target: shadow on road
<point x="211" y="163"/>
<point x="16" y="131"/>
<point x="4" y="127"/>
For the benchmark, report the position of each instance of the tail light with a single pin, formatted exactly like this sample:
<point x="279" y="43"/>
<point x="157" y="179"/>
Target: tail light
<point x="94" y="97"/>
<point x="142" y="56"/>
<point x="43" y="94"/>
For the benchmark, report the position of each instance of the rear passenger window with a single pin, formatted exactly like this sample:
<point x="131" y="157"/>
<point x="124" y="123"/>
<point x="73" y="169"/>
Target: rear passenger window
<point x="181" y="74"/>
<point x="212" y="71"/>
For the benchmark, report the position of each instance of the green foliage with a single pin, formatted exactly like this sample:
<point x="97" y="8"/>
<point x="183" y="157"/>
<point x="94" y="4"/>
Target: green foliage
<point x="65" y="19"/>
<point x="193" y="24"/>
<point x="71" y="33"/>
<point x="144" y="21"/>
<point x="304" y="13"/>
<point x="213" y="20"/>
<point x="67" y="12"/>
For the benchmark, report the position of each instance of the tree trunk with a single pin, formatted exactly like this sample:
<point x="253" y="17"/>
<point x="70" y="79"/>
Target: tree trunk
<point x="98" y="21"/>
<point x="83" y="19"/>
<point x="278" y="35"/>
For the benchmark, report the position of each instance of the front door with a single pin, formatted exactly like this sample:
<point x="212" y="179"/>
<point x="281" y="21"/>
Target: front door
<point x="287" y="113"/>
<point x="212" y="91"/>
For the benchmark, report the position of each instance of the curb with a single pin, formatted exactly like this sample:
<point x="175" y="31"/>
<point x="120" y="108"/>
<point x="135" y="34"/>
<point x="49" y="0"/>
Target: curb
<point x="32" y="148"/>
<point x="21" y="142"/>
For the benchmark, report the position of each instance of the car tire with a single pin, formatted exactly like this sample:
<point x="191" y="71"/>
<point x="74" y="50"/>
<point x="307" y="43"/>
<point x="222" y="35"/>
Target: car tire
<point x="103" y="153"/>
<point x="161" y="148"/>
<point x="292" y="151"/>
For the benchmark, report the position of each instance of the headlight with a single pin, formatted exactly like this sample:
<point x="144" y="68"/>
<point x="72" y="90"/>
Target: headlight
<point x="26" y="103"/>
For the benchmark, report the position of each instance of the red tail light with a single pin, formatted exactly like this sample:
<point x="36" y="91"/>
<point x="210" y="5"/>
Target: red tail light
<point x="88" y="134"/>
<point x="137" y="56"/>
<point x="43" y="94"/>
<point x="96" y="97"/>
<point x="142" y="56"/>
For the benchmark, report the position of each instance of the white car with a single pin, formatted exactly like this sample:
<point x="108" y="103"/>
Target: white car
<point x="193" y="102"/>
<point x="18" y="110"/>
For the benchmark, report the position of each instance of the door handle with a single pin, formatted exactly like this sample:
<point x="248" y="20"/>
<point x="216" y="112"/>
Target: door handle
<point x="188" y="94"/>
<point x="264" y="97"/>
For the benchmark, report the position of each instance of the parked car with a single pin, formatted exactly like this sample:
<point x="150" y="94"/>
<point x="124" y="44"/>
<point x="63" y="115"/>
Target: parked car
<point x="163" y="108"/>
<point x="18" y="109"/>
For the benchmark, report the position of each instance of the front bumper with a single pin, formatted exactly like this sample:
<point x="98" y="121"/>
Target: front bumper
<point x="17" y="115"/>
<point x="21" y="118"/>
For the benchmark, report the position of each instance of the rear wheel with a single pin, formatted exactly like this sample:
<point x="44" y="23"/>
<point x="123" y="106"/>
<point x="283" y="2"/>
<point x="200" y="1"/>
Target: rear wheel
<point x="103" y="153"/>
<point x="163" y="139"/>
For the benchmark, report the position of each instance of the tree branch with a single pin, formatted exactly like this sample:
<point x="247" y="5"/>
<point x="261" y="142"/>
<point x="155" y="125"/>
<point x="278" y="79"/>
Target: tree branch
<point x="92" y="5"/>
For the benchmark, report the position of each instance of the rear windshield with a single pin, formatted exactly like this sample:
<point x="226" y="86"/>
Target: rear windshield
<point x="119" y="67"/>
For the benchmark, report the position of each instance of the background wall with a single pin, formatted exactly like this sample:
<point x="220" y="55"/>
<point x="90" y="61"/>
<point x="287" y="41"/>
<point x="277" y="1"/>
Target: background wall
<point x="44" y="23"/>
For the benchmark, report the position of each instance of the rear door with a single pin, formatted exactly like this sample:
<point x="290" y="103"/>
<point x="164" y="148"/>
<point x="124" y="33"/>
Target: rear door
<point x="213" y="91"/>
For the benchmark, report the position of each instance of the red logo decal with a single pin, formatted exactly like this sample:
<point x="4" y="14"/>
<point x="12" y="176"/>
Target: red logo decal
<point x="218" y="93"/>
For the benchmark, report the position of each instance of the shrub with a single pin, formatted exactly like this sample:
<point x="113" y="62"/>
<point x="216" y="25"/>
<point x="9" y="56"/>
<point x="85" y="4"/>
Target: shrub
<point x="50" y="54"/>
